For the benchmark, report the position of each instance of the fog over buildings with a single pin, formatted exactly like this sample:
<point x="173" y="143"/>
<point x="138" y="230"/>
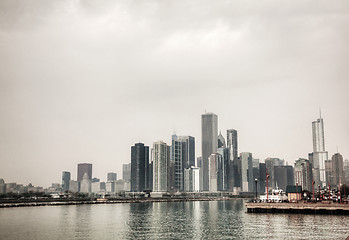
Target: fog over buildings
<point x="82" y="81"/>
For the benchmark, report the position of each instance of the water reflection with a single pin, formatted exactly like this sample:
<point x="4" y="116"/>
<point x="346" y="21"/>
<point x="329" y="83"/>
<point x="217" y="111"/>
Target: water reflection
<point x="167" y="220"/>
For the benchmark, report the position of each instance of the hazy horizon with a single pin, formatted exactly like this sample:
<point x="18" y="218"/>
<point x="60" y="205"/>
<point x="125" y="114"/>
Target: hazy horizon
<point x="83" y="81"/>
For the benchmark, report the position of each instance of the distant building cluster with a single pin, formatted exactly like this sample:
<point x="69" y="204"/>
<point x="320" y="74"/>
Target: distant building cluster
<point x="172" y="168"/>
<point x="175" y="168"/>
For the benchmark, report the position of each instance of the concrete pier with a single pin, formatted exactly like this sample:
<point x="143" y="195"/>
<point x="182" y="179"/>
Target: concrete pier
<point x="301" y="207"/>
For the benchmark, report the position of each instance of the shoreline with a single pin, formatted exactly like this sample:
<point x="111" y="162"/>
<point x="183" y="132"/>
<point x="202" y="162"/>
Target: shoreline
<point x="54" y="202"/>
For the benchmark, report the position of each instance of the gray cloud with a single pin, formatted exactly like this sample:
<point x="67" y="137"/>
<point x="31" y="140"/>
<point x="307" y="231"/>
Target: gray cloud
<point x="85" y="80"/>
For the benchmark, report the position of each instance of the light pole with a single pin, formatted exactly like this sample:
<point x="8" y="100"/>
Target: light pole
<point x="313" y="190"/>
<point x="267" y="176"/>
<point x="256" y="187"/>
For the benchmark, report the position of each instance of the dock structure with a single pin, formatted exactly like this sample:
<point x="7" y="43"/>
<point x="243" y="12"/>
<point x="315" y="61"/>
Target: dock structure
<point x="301" y="208"/>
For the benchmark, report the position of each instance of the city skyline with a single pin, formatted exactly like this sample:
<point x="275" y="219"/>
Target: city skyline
<point x="82" y="82"/>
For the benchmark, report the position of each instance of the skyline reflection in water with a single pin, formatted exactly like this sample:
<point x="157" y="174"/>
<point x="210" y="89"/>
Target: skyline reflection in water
<point x="165" y="220"/>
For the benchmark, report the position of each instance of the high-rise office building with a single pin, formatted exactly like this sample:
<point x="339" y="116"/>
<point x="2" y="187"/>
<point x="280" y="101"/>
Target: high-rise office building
<point x="214" y="163"/>
<point x="303" y="174"/>
<point x="84" y="168"/>
<point x="246" y="172"/>
<point x="126" y="172"/>
<point x="319" y="153"/>
<point x="337" y="169"/>
<point x="161" y="166"/>
<point x="182" y="156"/>
<point x="224" y="169"/>
<point x="262" y="177"/>
<point x="209" y="138"/>
<point x="235" y="165"/>
<point x="111" y="177"/>
<point x="270" y="164"/>
<point x="255" y="167"/>
<point x="328" y="171"/>
<point x="283" y="176"/>
<point x="139" y="167"/>
<point x="65" y="180"/>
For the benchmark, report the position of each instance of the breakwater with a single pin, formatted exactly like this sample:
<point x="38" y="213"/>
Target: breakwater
<point x="60" y="202"/>
<point x="301" y="208"/>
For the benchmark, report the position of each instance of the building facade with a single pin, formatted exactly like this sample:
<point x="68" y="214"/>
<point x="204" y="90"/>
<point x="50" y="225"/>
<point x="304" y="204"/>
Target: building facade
<point x="84" y="168"/>
<point x="319" y="153"/>
<point x="337" y="169"/>
<point x="303" y="174"/>
<point x="139" y="167"/>
<point x="65" y="180"/>
<point x="209" y="137"/>
<point x="246" y="172"/>
<point x="161" y="166"/>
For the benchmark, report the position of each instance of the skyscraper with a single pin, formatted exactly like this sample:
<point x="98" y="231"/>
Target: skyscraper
<point x="246" y="172"/>
<point x="126" y="172"/>
<point x="84" y="168"/>
<point x="65" y="180"/>
<point x="139" y="167"/>
<point x="209" y="138"/>
<point x="319" y="153"/>
<point x="182" y="156"/>
<point x="235" y="164"/>
<point x="224" y="169"/>
<point x="215" y="160"/>
<point x="303" y="175"/>
<point x="161" y="166"/>
<point x="270" y="164"/>
<point x="337" y="169"/>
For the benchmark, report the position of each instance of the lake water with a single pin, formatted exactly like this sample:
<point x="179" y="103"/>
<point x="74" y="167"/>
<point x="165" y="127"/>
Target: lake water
<point x="165" y="220"/>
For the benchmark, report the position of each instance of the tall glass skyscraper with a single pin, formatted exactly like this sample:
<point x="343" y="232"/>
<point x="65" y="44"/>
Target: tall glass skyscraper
<point x="183" y="156"/>
<point x="65" y="180"/>
<point x="209" y="140"/>
<point x="235" y="164"/>
<point x="139" y="167"/>
<point x="319" y="153"/>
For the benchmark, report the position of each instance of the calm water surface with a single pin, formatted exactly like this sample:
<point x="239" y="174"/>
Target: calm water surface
<point x="167" y="220"/>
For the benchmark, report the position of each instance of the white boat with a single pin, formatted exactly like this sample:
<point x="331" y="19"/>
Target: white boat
<point x="277" y="195"/>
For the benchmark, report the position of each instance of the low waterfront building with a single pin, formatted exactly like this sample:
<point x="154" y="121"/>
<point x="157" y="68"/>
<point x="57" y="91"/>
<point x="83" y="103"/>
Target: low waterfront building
<point x="294" y="193"/>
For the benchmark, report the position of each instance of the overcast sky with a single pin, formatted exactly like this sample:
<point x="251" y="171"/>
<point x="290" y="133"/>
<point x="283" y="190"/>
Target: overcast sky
<point x="82" y="81"/>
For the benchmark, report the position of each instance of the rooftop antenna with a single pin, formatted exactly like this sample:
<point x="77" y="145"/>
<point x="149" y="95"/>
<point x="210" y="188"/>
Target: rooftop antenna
<point x="337" y="149"/>
<point x="320" y="112"/>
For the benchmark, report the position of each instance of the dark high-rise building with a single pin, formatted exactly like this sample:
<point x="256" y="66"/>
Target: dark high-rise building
<point x="84" y="168"/>
<point x="65" y="180"/>
<point x="283" y="176"/>
<point x="139" y="167"/>
<point x="262" y="177"/>
<point x="209" y="138"/>
<point x="337" y="169"/>
<point x="270" y="164"/>
<point x="111" y="177"/>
